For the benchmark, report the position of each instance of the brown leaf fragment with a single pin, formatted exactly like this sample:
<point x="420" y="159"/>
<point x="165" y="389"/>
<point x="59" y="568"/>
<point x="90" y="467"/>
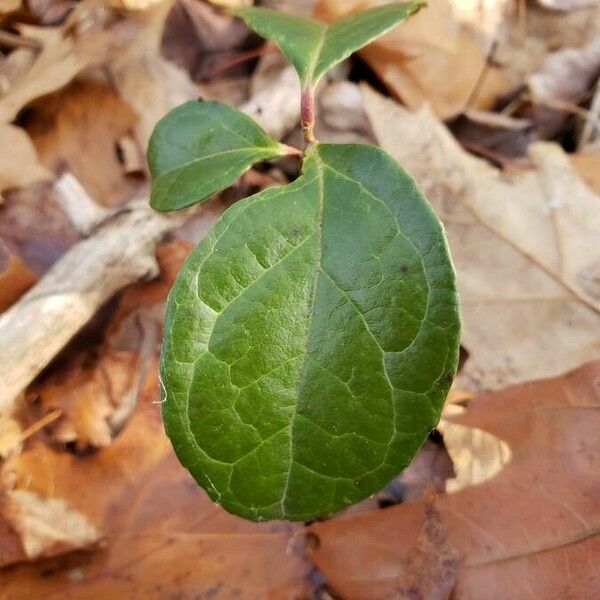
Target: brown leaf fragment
<point x="66" y="51"/>
<point x="432" y="564"/>
<point x="587" y="165"/>
<point x="530" y="531"/>
<point x="88" y="398"/>
<point x="15" y="277"/>
<point x="19" y="163"/>
<point x="476" y="454"/>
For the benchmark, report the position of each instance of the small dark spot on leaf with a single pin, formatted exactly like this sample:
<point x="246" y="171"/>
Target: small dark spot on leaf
<point x="403" y="268"/>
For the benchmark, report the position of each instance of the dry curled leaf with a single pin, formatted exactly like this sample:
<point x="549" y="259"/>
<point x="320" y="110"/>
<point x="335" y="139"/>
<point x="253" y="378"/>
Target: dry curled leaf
<point x="88" y="397"/>
<point x="530" y="531"/>
<point x="524" y="245"/>
<point x="66" y="51"/>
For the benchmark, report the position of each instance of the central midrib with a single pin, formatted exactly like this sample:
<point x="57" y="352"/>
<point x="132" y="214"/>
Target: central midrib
<point x="301" y="378"/>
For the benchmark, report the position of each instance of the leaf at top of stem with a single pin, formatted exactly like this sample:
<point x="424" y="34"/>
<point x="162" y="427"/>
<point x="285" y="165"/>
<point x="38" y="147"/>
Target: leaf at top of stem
<point x="313" y="47"/>
<point x="201" y="148"/>
<point x="311" y="339"/>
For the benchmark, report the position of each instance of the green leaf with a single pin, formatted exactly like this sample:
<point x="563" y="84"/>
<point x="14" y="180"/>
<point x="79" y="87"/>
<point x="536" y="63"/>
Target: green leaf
<point x="311" y="339"/>
<point x="314" y="48"/>
<point x="201" y="148"/>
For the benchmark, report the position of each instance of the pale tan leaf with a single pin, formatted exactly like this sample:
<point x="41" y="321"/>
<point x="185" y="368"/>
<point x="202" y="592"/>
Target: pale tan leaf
<point x="45" y="524"/>
<point x="476" y="454"/>
<point x="8" y="6"/>
<point x="19" y="164"/>
<point x="140" y="72"/>
<point x="414" y="60"/>
<point x="524" y="245"/>
<point x="10" y="436"/>
<point x="62" y="57"/>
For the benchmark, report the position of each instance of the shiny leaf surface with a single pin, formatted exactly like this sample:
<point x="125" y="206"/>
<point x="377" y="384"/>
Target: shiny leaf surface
<point x="311" y="339"/>
<point x="201" y="148"/>
<point x="313" y="47"/>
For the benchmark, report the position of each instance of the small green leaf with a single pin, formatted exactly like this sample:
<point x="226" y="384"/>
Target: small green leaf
<point x="311" y="339"/>
<point x="201" y="148"/>
<point x="314" y="48"/>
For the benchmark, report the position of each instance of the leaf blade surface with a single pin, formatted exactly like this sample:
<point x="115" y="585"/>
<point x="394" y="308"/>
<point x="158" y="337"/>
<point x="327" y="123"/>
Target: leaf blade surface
<point x="201" y="148"/>
<point x="311" y="339"/>
<point x="314" y="48"/>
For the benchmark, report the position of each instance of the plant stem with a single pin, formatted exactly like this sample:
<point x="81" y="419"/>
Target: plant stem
<point x="307" y="114"/>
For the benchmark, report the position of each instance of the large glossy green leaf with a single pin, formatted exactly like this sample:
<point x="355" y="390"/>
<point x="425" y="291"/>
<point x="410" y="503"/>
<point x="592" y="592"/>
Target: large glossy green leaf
<point x="311" y="339"/>
<point x="201" y="148"/>
<point x="314" y="48"/>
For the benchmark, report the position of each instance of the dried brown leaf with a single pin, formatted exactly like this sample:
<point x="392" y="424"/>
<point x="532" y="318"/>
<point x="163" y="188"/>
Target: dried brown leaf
<point x="414" y="60"/>
<point x="161" y="532"/>
<point x="139" y="73"/>
<point x="79" y="129"/>
<point x="531" y="531"/>
<point x="524" y="245"/>
<point x="65" y="53"/>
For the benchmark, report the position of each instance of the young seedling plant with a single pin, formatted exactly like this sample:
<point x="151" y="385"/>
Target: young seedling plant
<point x="312" y="336"/>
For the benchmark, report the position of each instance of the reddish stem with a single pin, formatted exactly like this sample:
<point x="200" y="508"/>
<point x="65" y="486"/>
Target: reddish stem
<point x="307" y="114"/>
